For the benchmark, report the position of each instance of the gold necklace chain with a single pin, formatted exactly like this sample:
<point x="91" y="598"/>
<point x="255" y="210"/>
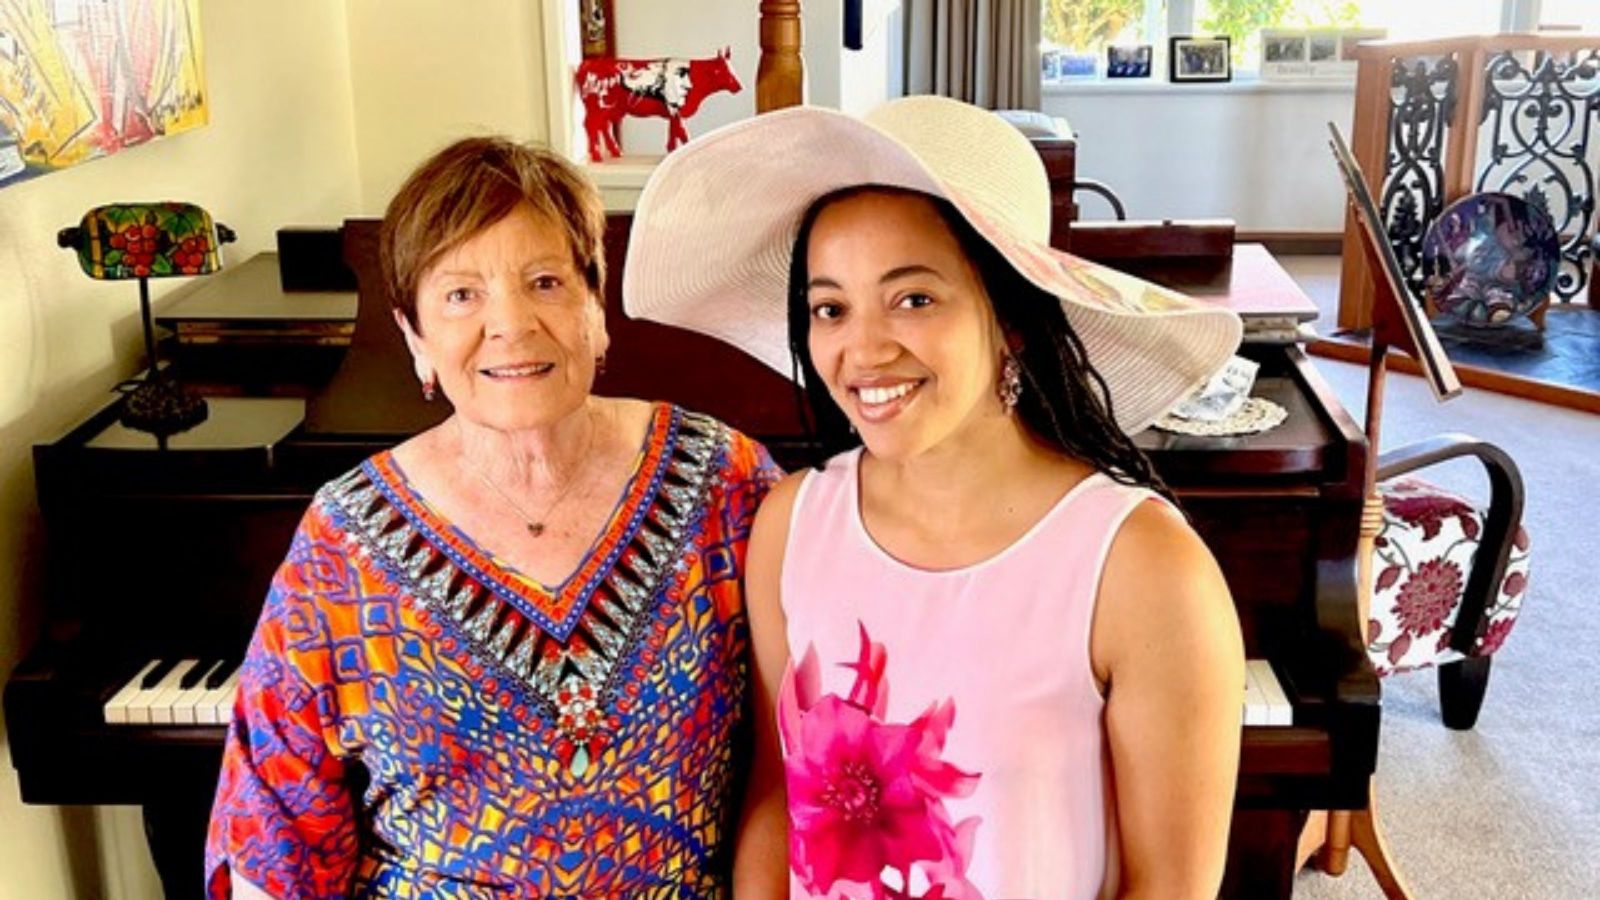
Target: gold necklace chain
<point x="534" y="524"/>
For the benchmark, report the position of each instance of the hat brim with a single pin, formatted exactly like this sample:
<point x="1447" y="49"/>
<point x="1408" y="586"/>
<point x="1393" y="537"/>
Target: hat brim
<point x="715" y="226"/>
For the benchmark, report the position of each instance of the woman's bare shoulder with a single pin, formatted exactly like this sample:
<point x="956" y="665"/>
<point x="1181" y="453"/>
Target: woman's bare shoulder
<point x="778" y="506"/>
<point x="1161" y="588"/>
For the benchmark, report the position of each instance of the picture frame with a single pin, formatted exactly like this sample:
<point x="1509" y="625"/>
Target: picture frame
<point x="1281" y="47"/>
<point x="1057" y="65"/>
<point x="1312" y="54"/>
<point x="1129" y="60"/>
<point x="1322" y="46"/>
<point x="597" y="28"/>
<point x="1192" y="59"/>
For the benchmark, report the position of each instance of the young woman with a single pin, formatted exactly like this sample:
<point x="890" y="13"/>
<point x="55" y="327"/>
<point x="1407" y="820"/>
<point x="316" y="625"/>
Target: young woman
<point x="992" y="658"/>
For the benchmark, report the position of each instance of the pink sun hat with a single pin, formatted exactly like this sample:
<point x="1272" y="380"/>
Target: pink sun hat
<point x="715" y="226"/>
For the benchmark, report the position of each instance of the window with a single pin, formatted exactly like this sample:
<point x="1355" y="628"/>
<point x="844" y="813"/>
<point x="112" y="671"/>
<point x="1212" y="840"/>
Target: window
<point x="1076" y="32"/>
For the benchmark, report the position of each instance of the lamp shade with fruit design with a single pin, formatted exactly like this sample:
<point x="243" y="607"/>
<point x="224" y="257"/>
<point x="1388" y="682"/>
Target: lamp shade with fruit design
<point x="146" y="240"/>
<point x="141" y="241"/>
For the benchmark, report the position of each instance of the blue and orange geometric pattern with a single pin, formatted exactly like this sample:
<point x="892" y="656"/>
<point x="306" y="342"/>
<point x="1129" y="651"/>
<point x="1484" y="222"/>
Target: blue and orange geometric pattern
<point x="416" y="720"/>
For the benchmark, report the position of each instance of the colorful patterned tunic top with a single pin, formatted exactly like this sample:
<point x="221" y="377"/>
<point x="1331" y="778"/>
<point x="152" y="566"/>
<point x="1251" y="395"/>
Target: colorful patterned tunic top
<point x="514" y="739"/>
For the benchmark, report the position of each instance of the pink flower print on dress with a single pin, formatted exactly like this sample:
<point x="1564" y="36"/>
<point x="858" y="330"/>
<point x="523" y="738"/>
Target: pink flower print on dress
<point x="866" y="797"/>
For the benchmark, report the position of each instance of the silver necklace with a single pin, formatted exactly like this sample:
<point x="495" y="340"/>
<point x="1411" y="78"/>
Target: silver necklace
<point x="534" y="524"/>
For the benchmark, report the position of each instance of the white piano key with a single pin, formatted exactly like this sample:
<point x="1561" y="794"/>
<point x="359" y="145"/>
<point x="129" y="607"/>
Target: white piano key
<point x="1255" y="712"/>
<point x="1279" y="710"/>
<point x="229" y="689"/>
<point x="115" y="711"/>
<point x="183" y="705"/>
<point x="157" y="703"/>
<point x="140" y="708"/>
<point x="215" y="707"/>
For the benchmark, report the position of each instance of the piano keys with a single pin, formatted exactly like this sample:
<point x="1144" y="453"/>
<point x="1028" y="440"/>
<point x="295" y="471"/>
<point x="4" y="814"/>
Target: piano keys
<point x="171" y="692"/>
<point x="1265" y="703"/>
<point x="164" y="554"/>
<point x="196" y="692"/>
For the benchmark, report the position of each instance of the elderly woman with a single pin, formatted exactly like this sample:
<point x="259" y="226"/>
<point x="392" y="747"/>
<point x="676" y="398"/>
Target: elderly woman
<point x="507" y="655"/>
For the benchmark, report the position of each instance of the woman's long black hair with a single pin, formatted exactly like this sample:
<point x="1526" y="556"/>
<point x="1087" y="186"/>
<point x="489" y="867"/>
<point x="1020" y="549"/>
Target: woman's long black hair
<point x="1064" y="402"/>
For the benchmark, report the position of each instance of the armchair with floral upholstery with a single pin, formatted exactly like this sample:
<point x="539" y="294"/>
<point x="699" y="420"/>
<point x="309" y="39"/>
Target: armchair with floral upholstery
<point x="1449" y="576"/>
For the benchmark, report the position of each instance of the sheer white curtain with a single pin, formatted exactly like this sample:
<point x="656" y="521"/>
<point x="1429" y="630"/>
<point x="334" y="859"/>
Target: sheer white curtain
<point x="985" y="52"/>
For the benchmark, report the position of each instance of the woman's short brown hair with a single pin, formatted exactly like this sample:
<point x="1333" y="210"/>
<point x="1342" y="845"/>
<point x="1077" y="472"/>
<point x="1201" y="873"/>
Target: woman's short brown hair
<point x="472" y="184"/>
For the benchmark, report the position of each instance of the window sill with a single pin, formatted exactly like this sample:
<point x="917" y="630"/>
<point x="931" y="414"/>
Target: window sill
<point x="1101" y="86"/>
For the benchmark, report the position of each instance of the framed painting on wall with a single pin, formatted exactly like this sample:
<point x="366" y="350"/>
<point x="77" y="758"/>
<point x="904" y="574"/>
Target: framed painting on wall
<point x="598" y="28"/>
<point x="82" y="79"/>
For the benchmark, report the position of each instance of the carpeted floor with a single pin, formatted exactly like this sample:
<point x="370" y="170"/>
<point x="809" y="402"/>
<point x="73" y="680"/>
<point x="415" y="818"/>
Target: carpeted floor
<point x="1510" y="809"/>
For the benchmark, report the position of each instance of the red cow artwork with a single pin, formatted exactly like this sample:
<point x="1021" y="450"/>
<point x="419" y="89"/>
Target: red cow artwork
<point x="672" y="89"/>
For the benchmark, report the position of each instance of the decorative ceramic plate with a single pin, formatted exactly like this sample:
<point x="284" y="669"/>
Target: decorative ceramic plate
<point x="1489" y="258"/>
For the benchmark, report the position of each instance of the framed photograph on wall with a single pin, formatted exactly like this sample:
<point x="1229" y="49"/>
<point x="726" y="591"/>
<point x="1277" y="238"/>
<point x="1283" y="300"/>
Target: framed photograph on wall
<point x="598" y="28"/>
<point x="1199" y="59"/>
<point x="1131" y="61"/>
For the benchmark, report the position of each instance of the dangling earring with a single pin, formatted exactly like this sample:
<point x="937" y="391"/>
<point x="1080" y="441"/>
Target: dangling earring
<point x="1010" y="382"/>
<point x="600" y="364"/>
<point x="429" y="386"/>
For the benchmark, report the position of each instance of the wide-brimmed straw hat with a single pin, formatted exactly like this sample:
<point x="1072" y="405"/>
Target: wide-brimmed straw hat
<point x="715" y="226"/>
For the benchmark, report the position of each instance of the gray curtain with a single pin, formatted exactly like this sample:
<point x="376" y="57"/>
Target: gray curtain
<point x="985" y="52"/>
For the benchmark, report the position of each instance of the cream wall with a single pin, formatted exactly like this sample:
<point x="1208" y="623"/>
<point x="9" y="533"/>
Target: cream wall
<point x="280" y="148"/>
<point x="425" y="72"/>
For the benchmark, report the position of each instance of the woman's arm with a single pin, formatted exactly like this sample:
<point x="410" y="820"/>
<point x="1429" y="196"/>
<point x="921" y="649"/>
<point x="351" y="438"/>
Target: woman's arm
<point x="1166" y="644"/>
<point x="284" y="819"/>
<point x="761" y="858"/>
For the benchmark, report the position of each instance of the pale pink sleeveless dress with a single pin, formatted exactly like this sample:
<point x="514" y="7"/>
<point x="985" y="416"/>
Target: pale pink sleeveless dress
<point x="942" y="730"/>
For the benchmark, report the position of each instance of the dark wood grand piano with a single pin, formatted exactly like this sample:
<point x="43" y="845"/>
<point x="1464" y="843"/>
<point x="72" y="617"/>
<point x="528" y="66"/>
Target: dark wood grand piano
<point x="165" y="554"/>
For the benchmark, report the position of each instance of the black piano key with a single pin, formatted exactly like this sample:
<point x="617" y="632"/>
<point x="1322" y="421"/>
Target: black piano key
<point x="159" y="672"/>
<point x="193" y="676"/>
<point x="221" y="673"/>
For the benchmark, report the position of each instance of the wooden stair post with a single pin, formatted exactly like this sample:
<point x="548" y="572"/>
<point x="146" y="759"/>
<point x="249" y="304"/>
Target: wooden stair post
<point x="781" y="75"/>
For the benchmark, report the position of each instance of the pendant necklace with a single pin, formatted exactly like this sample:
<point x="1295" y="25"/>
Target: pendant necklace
<point x="534" y="524"/>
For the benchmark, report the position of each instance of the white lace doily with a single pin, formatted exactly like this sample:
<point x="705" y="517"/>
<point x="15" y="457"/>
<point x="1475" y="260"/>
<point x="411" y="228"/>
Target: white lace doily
<point x="1256" y="415"/>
